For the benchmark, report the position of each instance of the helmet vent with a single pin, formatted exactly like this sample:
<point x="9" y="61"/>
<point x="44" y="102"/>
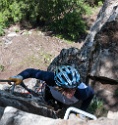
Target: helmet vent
<point x="64" y="78"/>
<point x="70" y="76"/>
<point x="67" y="77"/>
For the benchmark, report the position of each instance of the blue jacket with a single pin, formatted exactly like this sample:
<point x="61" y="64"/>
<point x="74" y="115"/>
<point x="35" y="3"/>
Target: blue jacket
<point x="84" y="93"/>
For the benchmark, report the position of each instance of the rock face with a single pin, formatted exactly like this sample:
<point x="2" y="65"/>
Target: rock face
<point x="26" y="103"/>
<point x="104" y="61"/>
<point x="13" y="116"/>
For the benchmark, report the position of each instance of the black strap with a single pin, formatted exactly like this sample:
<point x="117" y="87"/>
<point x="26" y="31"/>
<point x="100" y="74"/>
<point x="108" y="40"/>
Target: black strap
<point x="29" y="90"/>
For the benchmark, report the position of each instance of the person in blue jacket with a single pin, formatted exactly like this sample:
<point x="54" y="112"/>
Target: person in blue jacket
<point x="64" y="85"/>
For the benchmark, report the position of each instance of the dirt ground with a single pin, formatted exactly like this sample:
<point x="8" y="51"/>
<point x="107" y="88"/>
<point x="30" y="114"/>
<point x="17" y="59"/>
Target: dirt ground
<point x="28" y="49"/>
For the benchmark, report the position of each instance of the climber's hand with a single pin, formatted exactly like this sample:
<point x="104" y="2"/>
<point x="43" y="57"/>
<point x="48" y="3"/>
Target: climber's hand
<point x="16" y="79"/>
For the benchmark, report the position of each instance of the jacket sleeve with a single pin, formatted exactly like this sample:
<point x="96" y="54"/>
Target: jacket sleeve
<point x="86" y="95"/>
<point x="46" y="76"/>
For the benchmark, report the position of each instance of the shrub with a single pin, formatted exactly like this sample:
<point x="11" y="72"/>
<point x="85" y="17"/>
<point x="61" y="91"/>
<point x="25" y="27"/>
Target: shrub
<point x="64" y="17"/>
<point x="69" y="23"/>
<point x="97" y="107"/>
<point x="95" y="2"/>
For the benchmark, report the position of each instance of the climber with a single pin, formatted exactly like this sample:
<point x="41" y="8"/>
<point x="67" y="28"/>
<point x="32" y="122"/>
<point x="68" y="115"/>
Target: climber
<point x="64" y="85"/>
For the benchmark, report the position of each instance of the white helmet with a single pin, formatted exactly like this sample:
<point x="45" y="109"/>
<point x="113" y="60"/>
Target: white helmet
<point x="67" y="77"/>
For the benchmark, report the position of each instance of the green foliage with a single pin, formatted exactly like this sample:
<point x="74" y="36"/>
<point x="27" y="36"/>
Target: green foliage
<point x="97" y="107"/>
<point x="1" y="68"/>
<point x="95" y="2"/>
<point x="1" y="24"/>
<point x="63" y="17"/>
<point x="100" y="3"/>
<point x="69" y="23"/>
<point x="70" y="27"/>
<point x="16" y="15"/>
<point x="1" y="30"/>
<point x="116" y="93"/>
